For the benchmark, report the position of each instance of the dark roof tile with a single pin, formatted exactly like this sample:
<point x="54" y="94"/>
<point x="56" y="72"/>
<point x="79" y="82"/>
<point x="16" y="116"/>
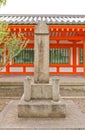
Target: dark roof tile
<point x="49" y="19"/>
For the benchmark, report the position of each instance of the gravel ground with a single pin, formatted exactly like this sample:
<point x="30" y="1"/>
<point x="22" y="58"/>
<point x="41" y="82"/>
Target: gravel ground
<point x="79" y="101"/>
<point x="3" y="103"/>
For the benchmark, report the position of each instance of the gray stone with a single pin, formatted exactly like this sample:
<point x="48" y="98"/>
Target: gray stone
<point x="41" y="98"/>
<point x="55" y="89"/>
<point x="74" y="120"/>
<point x="41" y="91"/>
<point x="41" y="28"/>
<point x="41" y="55"/>
<point x="41" y="108"/>
<point x="27" y="89"/>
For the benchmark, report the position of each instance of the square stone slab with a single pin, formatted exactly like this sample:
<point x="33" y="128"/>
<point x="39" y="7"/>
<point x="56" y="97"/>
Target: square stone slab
<point x="74" y="119"/>
<point x="41" y="108"/>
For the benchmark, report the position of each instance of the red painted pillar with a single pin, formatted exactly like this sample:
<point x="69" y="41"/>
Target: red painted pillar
<point x="74" y="57"/>
<point x="84" y="56"/>
<point x="8" y="65"/>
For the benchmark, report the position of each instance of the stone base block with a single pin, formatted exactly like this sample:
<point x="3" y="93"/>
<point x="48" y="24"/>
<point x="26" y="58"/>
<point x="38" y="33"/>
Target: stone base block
<point x="41" y="108"/>
<point x="74" y="120"/>
<point x="41" y="91"/>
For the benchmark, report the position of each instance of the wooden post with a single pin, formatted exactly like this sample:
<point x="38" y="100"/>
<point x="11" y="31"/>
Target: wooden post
<point x="74" y="57"/>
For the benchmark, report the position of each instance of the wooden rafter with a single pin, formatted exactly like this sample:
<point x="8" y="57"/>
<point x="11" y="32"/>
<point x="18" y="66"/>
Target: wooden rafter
<point x="57" y="32"/>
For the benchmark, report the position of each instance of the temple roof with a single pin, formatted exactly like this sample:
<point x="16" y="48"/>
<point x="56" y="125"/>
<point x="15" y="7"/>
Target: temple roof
<point x="49" y="19"/>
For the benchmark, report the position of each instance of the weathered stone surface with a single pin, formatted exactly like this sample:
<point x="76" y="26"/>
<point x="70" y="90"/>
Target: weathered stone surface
<point x="41" y="55"/>
<point x="41" y="108"/>
<point x="38" y="97"/>
<point x="15" y="90"/>
<point x="74" y="120"/>
<point x="55" y="89"/>
<point x="41" y="91"/>
<point x="41" y="28"/>
<point x="27" y="88"/>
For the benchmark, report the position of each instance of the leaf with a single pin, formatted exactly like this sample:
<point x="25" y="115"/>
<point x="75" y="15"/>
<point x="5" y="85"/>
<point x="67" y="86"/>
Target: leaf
<point x="12" y="44"/>
<point x="2" y="2"/>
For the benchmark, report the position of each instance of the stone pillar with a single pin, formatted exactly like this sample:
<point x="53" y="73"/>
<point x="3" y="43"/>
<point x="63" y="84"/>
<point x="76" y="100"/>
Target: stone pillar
<point x="41" y="97"/>
<point x="41" y="56"/>
<point x="27" y="89"/>
<point x="55" y="90"/>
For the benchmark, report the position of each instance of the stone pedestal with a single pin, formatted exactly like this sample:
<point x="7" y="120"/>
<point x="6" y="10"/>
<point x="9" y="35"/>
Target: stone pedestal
<point x="41" y="108"/>
<point x="43" y="100"/>
<point x="41" y="97"/>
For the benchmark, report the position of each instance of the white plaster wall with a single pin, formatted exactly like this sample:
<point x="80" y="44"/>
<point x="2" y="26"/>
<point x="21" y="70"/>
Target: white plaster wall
<point x="52" y="69"/>
<point x="66" y="69"/>
<point x="16" y="69"/>
<point x="80" y="69"/>
<point x="29" y="69"/>
<point x="10" y="61"/>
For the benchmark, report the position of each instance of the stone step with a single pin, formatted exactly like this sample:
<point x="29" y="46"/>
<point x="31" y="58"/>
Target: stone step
<point x="15" y="89"/>
<point x="72" y="88"/>
<point x="11" y="89"/>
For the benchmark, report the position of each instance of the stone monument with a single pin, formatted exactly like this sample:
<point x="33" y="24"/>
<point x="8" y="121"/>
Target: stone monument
<point x="41" y="96"/>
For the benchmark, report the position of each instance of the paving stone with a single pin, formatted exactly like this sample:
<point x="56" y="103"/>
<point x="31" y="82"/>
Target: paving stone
<point x="74" y="120"/>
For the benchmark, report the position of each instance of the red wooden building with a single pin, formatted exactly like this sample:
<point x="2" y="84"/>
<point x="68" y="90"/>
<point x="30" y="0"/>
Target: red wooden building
<point x="67" y="43"/>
